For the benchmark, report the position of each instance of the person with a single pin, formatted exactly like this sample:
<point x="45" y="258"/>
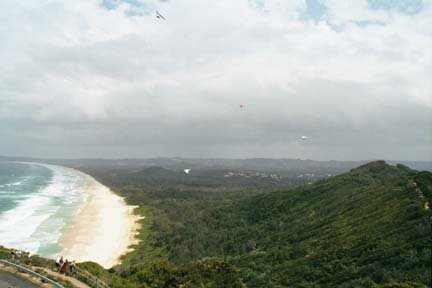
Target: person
<point x="18" y="255"/>
<point x="29" y="258"/>
<point x="61" y="262"/>
<point x="57" y="263"/>
<point x="64" y="268"/>
<point x="13" y="254"/>
<point x="72" y="268"/>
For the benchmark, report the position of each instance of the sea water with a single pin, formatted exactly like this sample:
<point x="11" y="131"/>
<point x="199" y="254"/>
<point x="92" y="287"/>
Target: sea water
<point x="37" y="202"/>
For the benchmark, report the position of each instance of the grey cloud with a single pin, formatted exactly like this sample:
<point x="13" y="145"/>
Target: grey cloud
<point x="99" y="83"/>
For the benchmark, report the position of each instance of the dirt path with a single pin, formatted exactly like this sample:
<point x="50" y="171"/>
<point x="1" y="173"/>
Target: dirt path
<point x="421" y="195"/>
<point x="73" y="281"/>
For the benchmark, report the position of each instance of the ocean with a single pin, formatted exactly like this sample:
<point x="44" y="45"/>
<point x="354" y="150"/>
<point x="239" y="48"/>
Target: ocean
<point x="37" y="202"/>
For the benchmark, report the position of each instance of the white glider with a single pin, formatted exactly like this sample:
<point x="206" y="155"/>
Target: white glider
<point x="159" y="16"/>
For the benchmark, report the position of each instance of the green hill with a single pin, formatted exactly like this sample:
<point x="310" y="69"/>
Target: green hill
<point x="369" y="227"/>
<point x="366" y="227"/>
<point x="363" y="227"/>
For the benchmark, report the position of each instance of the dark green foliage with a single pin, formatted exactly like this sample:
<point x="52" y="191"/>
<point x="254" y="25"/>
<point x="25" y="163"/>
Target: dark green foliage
<point x="359" y="229"/>
<point x="424" y="182"/>
<point x="5" y="253"/>
<point x="210" y="273"/>
<point x="402" y="285"/>
<point x="367" y="223"/>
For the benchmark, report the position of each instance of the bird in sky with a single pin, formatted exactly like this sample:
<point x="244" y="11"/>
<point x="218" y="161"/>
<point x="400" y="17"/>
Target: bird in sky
<point x="187" y="171"/>
<point x="304" y="138"/>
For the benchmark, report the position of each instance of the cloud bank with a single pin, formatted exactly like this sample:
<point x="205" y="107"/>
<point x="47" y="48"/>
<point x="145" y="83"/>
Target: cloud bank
<point x="87" y="78"/>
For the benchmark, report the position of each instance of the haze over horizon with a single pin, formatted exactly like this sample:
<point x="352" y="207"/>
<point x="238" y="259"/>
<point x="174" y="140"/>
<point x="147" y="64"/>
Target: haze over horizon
<point x="107" y="79"/>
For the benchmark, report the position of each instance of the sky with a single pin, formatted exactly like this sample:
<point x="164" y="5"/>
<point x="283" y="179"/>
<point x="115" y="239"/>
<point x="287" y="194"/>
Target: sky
<point x="107" y="79"/>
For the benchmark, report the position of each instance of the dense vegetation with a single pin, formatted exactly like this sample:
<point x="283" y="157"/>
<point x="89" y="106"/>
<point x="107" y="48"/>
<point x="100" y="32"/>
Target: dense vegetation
<point x="175" y="204"/>
<point x="364" y="228"/>
<point x="369" y="227"/>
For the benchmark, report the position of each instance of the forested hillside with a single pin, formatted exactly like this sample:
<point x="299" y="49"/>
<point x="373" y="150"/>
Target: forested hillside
<point x="369" y="227"/>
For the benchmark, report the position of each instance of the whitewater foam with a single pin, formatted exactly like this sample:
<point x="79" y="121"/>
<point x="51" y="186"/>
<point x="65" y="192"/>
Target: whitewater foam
<point x="36" y="222"/>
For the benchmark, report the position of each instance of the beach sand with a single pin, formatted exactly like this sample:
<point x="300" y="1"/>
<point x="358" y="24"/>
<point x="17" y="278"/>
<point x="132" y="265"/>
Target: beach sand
<point x="103" y="230"/>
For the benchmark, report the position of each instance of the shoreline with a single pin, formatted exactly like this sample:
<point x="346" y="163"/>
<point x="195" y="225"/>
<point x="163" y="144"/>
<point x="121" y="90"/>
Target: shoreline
<point x="103" y="230"/>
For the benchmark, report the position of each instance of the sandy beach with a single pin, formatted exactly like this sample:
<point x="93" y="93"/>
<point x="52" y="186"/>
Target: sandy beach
<point x="103" y="230"/>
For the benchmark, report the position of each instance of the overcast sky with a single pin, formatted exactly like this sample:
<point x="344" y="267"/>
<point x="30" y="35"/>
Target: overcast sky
<point x="88" y="78"/>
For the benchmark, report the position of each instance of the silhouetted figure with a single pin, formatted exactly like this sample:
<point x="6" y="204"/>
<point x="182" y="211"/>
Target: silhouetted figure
<point x="13" y="254"/>
<point x="18" y="256"/>
<point x="57" y="263"/>
<point x="61" y="262"/>
<point x="29" y="258"/>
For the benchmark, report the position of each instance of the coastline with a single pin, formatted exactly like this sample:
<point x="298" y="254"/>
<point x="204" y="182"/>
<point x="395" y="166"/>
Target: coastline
<point x="103" y="229"/>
